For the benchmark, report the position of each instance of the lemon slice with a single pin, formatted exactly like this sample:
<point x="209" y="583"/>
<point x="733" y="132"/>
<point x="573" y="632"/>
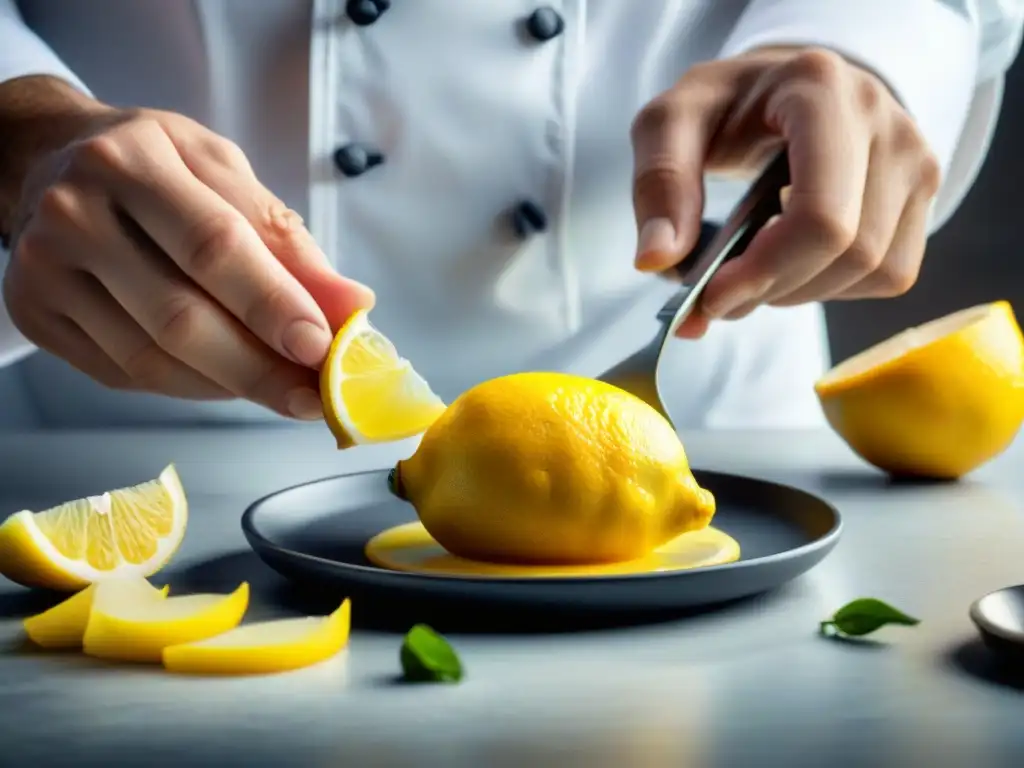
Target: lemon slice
<point x="265" y="647"/>
<point x="126" y="532"/>
<point x="63" y="626"/>
<point x="937" y="400"/>
<point x="370" y="393"/>
<point x="134" y="627"/>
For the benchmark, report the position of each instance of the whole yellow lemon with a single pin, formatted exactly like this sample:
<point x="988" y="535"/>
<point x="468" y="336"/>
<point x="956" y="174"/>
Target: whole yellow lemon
<point x="552" y="468"/>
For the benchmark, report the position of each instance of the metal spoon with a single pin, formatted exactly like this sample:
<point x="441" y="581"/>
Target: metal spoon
<point x="638" y="373"/>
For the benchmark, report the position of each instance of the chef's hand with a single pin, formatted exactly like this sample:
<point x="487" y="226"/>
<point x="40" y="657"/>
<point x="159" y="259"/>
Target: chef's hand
<point x="147" y="255"/>
<point x="854" y="219"/>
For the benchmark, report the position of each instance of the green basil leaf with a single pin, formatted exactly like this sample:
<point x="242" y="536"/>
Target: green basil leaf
<point x="864" y="616"/>
<point x="428" y="658"/>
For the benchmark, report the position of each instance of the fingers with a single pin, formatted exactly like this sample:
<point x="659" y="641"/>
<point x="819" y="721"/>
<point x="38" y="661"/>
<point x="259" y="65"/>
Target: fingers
<point x="37" y="311"/>
<point x="885" y="196"/>
<point x="134" y="270"/>
<point x="62" y="338"/>
<point x="49" y="329"/>
<point x="209" y="240"/>
<point x="281" y="229"/>
<point x="670" y="139"/>
<point x="122" y="340"/>
<point x="183" y="321"/>
<point x="899" y="270"/>
<point x="829" y="148"/>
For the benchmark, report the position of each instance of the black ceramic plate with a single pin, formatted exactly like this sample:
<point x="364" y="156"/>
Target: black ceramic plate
<point x="315" y="534"/>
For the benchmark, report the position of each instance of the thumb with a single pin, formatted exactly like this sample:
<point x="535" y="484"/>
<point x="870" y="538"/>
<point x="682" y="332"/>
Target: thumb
<point x="670" y="141"/>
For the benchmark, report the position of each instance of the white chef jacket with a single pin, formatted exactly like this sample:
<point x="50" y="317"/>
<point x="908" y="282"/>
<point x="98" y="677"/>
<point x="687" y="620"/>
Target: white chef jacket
<point x="472" y="116"/>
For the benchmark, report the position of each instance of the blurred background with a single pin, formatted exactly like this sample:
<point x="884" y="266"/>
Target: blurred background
<point x="976" y="257"/>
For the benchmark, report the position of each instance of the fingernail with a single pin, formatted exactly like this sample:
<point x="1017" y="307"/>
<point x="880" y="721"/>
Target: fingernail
<point x="656" y="245"/>
<point x="306" y="343"/>
<point x="304" y="404"/>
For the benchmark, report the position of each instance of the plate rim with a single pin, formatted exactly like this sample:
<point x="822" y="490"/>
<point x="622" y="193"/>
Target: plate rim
<point x="826" y="541"/>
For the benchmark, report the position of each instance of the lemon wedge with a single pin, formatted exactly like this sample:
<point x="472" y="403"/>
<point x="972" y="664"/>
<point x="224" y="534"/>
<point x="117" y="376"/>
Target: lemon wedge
<point x="937" y="400"/>
<point x="63" y="625"/>
<point x="126" y="532"/>
<point x="370" y="393"/>
<point x="264" y="647"/>
<point x="137" y="627"/>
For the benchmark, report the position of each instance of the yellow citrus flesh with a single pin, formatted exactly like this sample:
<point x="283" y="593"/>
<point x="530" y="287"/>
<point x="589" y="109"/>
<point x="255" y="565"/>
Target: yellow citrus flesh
<point x="126" y="532"/>
<point x="63" y="625"/>
<point x="264" y="647"/>
<point x="134" y="628"/>
<point x="370" y="393"/>
<point x="938" y="400"/>
<point x="552" y="469"/>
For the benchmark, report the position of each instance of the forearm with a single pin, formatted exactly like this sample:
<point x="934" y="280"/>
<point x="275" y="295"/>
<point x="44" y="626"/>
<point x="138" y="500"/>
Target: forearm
<point x="38" y="115"/>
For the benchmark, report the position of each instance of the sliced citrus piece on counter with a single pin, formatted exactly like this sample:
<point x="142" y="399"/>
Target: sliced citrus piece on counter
<point x="130" y="531"/>
<point x="63" y="625"/>
<point x="137" y="628"/>
<point x="937" y="400"/>
<point x="370" y="393"/>
<point x="264" y="647"/>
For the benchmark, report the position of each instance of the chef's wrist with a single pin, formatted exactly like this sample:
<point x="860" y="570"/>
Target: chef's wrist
<point x="39" y="114"/>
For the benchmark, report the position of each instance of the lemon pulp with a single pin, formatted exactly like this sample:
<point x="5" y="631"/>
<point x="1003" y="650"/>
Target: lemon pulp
<point x="937" y="400"/>
<point x="128" y="532"/>
<point x="369" y="392"/>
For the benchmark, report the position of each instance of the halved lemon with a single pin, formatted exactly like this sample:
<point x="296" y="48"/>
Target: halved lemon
<point x="370" y="393"/>
<point x="63" y="626"/>
<point x="264" y="647"/>
<point x="126" y="532"/>
<point x="136" y="627"/>
<point x="937" y="400"/>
